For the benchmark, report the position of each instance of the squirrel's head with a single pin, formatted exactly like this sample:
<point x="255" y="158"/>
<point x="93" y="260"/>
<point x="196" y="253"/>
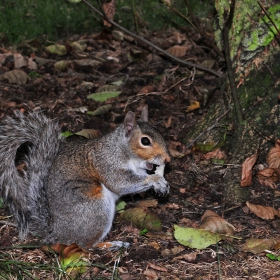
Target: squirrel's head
<point x="145" y="141"/>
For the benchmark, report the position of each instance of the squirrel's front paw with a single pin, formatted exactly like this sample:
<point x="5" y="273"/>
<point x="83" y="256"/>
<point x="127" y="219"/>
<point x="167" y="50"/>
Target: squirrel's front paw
<point x="161" y="186"/>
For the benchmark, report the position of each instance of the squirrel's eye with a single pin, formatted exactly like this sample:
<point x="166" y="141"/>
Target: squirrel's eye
<point x="145" y="141"/>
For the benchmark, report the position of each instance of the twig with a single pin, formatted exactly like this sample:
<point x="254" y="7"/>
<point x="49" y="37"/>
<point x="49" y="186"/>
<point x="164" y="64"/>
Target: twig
<point x="178" y="60"/>
<point x="227" y="27"/>
<point x="208" y="129"/>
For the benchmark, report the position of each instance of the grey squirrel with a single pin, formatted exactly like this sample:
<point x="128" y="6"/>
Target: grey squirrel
<point x="67" y="191"/>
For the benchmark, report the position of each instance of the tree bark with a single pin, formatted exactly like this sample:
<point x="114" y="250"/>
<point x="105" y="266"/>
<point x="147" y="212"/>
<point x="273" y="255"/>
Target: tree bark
<point x="254" y="51"/>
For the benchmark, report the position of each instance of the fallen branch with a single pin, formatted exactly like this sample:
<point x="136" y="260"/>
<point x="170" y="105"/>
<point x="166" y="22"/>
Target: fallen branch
<point x="152" y="45"/>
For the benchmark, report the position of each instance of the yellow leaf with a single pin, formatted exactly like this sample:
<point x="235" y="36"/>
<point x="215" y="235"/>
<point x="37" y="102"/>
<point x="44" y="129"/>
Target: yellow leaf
<point x="194" y="105"/>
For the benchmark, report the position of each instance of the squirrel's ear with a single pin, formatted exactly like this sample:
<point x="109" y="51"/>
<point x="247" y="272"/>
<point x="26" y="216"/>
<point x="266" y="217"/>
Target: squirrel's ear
<point x="129" y="123"/>
<point x="144" y="114"/>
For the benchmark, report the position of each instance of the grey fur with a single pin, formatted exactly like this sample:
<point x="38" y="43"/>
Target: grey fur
<point x="53" y="199"/>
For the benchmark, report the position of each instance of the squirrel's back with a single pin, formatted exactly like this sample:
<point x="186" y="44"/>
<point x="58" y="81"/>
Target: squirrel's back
<point x="35" y="139"/>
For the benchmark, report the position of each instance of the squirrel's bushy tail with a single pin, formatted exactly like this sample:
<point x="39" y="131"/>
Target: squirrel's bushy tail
<point x="24" y="190"/>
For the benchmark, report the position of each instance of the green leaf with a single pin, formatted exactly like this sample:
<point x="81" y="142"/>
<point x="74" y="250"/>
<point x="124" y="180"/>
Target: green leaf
<point x="195" y="238"/>
<point x="100" y="110"/>
<point x="120" y="205"/>
<point x="143" y="231"/>
<point x="103" y="96"/>
<point x="74" y="263"/>
<point x="66" y="134"/>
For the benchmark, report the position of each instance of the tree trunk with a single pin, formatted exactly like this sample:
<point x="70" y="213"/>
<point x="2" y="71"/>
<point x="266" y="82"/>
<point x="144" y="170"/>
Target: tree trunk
<point x="254" y="51"/>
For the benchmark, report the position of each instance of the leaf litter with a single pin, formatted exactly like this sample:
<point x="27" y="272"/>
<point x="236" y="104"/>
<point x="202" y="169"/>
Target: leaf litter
<point x="64" y="75"/>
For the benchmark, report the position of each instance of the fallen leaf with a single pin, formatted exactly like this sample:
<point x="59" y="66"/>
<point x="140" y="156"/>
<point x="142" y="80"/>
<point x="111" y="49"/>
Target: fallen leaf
<point x="147" y="203"/>
<point x="89" y="133"/>
<point x="269" y="176"/>
<point x="173" y="251"/>
<point x="178" y="51"/>
<point x="16" y="77"/>
<point x="195" y="238"/>
<point x="100" y="110"/>
<point x="57" y="49"/>
<point x="214" y="223"/>
<point x="194" y="105"/>
<point x="87" y="62"/>
<point x="103" y="96"/>
<point x="73" y="259"/>
<point x="263" y="212"/>
<point x="142" y="219"/>
<point x="61" y="66"/>
<point x="256" y="246"/>
<point x="109" y="8"/>
<point x="157" y="267"/>
<point x="247" y="165"/>
<point x="146" y="90"/>
<point x="19" y="61"/>
<point x="216" y="154"/>
<point x="191" y="257"/>
<point x="273" y="157"/>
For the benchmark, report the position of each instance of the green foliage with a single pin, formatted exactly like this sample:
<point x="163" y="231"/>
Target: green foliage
<point x="273" y="257"/>
<point x="26" y="19"/>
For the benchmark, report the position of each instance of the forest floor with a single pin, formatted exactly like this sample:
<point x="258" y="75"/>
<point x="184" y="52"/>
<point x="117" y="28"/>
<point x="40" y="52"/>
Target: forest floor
<point x="59" y="86"/>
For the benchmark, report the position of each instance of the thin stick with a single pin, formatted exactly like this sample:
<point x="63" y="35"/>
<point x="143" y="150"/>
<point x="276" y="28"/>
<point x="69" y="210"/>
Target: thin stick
<point x="154" y="46"/>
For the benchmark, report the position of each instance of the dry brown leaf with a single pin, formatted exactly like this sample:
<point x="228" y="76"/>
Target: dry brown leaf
<point x="147" y="203"/>
<point x="217" y="154"/>
<point x="273" y="157"/>
<point x="146" y="89"/>
<point x="157" y="267"/>
<point x="263" y="212"/>
<point x="31" y="64"/>
<point x="257" y="246"/>
<point x="155" y="245"/>
<point x="191" y="257"/>
<point x="173" y="251"/>
<point x="269" y="176"/>
<point x="172" y="206"/>
<point x="247" y="165"/>
<point x="109" y="10"/>
<point x="151" y="274"/>
<point x="178" y="51"/>
<point x="16" y="77"/>
<point x="87" y="62"/>
<point x="19" y="61"/>
<point x="3" y="57"/>
<point x="213" y="222"/>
